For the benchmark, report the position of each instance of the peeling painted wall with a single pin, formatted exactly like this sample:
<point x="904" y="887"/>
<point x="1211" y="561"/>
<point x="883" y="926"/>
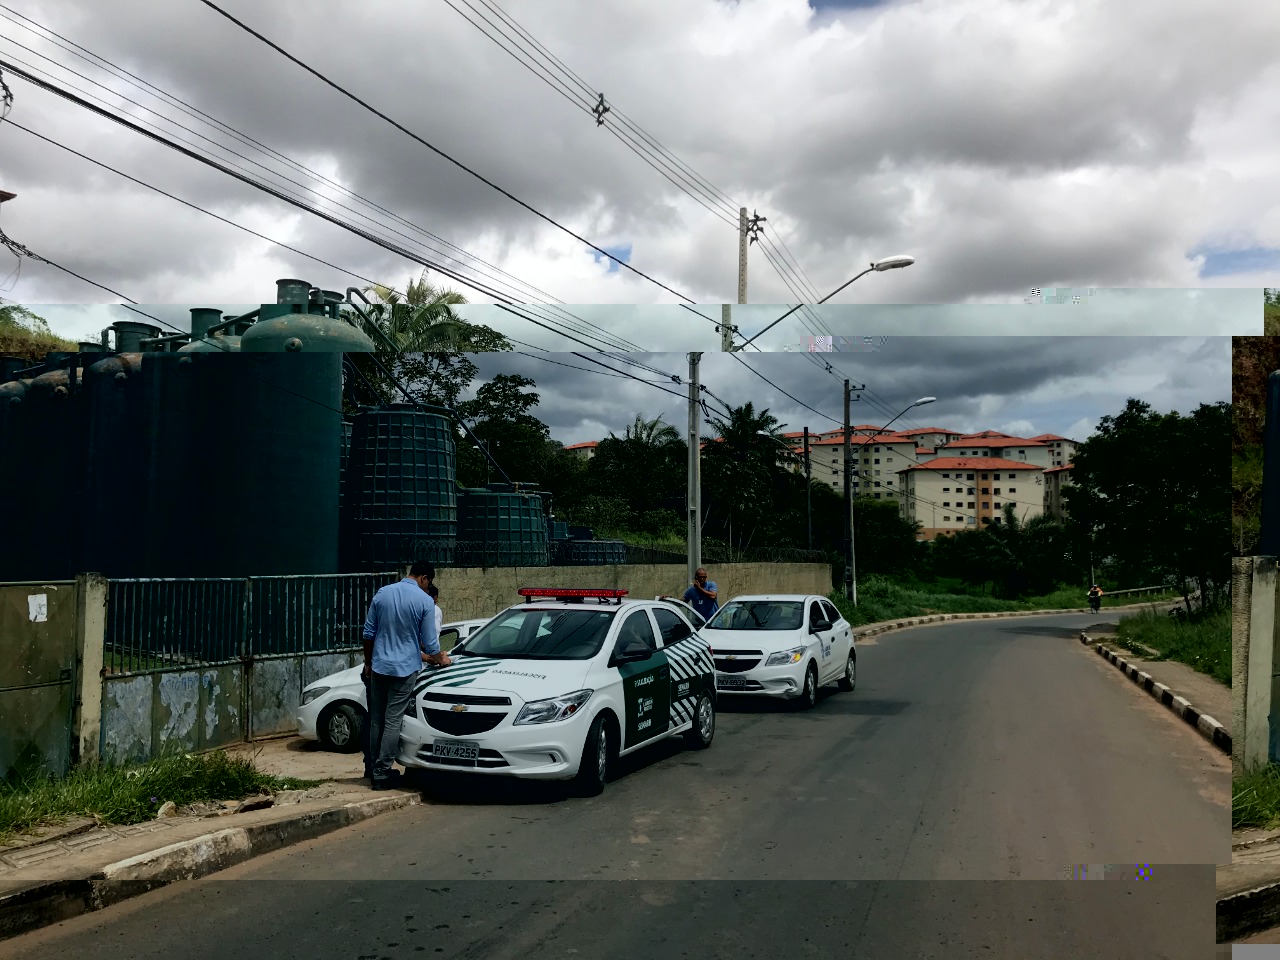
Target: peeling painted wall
<point x="126" y="719"/>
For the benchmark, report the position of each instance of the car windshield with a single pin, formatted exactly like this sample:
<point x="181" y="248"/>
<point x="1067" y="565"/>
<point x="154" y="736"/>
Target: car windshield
<point x="759" y="615"/>
<point x="568" y="634"/>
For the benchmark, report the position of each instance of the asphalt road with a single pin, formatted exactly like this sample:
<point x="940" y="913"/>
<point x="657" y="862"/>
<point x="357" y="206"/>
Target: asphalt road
<point x="995" y="751"/>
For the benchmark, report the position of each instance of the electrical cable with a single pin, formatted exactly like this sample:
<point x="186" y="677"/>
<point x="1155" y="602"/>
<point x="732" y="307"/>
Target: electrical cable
<point x="338" y="87"/>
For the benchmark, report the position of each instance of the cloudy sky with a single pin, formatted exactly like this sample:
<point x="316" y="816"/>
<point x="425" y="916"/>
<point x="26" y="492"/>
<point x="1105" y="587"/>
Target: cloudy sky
<point x="1004" y="145"/>
<point x="1017" y="385"/>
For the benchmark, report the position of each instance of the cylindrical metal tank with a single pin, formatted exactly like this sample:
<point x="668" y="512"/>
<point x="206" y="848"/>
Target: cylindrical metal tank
<point x="298" y="323"/>
<point x="590" y="553"/>
<point x="131" y="333"/>
<point x="115" y="455"/>
<point x="401" y="487"/>
<point x="55" y="429"/>
<point x="177" y="432"/>
<point x="9" y="367"/>
<point x="499" y="529"/>
<point x="202" y="318"/>
<point x="347" y="561"/>
<point x="16" y="478"/>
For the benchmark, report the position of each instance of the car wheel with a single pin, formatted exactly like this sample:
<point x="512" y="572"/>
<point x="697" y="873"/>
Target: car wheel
<point x="704" y="723"/>
<point x="808" y="698"/>
<point x="340" y="726"/>
<point x="850" y="677"/>
<point x="593" y="769"/>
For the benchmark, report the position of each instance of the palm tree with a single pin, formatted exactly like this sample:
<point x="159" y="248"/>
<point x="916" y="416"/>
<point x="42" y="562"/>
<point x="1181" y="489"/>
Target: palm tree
<point x="654" y="434"/>
<point x="740" y="462"/>
<point x="423" y="320"/>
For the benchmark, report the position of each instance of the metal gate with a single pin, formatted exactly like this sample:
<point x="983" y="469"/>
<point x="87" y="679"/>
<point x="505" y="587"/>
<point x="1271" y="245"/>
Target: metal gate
<point x="38" y="626"/>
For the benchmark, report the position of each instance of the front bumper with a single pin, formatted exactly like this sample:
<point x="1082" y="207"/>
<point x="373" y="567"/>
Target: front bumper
<point x="309" y="717"/>
<point x="550" y="751"/>
<point x="786" y="681"/>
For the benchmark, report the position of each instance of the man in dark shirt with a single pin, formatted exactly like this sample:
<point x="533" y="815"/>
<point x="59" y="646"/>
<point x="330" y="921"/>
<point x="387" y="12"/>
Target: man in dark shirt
<point x="399" y="635"/>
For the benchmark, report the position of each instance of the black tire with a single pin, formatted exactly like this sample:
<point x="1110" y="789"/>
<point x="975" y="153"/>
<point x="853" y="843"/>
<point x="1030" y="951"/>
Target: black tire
<point x="597" y="758"/>
<point x="808" y="698"/>
<point x="850" y="676"/>
<point x="339" y="727"/>
<point x="704" y="727"/>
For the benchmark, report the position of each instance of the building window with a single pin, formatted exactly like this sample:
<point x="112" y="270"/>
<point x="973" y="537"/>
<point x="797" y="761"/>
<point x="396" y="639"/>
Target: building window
<point x="877" y="459"/>
<point x="877" y="495"/>
<point x="946" y="519"/>
<point x="984" y="476"/>
<point x="1013" y="489"/>
<point x="997" y="491"/>
<point x="946" y="489"/>
<point x="985" y="491"/>
<point x="946" y="503"/>
<point x="997" y="506"/>
<point x="970" y="504"/>
<point x="969" y="476"/>
<point x="946" y="476"/>
<point x="986" y="505"/>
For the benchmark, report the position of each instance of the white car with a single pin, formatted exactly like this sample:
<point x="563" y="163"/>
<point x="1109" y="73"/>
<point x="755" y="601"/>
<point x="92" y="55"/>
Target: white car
<point x="781" y="645"/>
<point x="333" y="708"/>
<point x="557" y="687"/>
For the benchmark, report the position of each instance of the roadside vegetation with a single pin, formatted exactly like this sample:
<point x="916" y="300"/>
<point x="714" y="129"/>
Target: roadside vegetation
<point x="131" y="794"/>
<point x="1255" y="798"/>
<point x="880" y="599"/>
<point x="1203" y="643"/>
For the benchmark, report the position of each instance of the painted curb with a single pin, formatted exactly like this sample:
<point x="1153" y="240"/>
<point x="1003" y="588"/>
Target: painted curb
<point x="873" y="630"/>
<point x="1205" y="725"/>
<point x="50" y="902"/>
<point x="1248" y="912"/>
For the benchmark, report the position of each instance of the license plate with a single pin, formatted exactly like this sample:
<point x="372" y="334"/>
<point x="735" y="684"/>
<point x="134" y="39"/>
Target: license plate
<point x="728" y="680"/>
<point x="455" y="749"/>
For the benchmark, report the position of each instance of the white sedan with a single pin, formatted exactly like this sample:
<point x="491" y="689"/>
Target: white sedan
<point x="333" y="708"/>
<point x="781" y="645"/>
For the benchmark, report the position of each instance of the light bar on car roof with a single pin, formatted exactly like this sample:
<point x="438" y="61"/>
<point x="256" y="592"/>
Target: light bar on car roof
<point x="570" y="592"/>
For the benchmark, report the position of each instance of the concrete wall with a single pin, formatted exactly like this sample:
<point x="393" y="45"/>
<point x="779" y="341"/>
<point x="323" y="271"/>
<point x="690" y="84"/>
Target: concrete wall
<point x="467" y="594"/>
<point x="1255" y="681"/>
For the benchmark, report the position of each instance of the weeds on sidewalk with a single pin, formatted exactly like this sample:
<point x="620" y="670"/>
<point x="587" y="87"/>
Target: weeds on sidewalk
<point x="132" y="794"/>
<point x="880" y="599"/>
<point x="1255" y="798"/>
<point x="1204" y="643"/>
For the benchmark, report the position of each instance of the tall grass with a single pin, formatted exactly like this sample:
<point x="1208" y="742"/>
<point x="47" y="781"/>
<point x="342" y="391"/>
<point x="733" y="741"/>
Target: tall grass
<point x="132" y="794"/>
<point x="1203" y="644"/>
<point x="1255" y="798"/>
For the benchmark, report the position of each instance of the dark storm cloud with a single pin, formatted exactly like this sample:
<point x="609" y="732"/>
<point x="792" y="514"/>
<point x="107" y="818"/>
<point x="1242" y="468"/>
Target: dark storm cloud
<point x="1005" y="145"/>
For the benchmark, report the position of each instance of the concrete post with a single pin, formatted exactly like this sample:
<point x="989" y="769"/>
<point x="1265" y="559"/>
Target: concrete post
<point x="91" y="634"/>
<point x="1253" y="655"/>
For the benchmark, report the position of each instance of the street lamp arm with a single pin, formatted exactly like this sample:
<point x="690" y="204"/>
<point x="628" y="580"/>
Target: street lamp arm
<point x="799" y="305"/>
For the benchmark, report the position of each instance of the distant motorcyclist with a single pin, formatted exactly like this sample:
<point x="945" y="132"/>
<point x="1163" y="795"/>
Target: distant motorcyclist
<point x="1095" y="598"/>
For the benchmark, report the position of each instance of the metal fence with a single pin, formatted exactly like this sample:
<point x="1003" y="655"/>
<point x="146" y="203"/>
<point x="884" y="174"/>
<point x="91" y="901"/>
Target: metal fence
<point x="163" y="624"/>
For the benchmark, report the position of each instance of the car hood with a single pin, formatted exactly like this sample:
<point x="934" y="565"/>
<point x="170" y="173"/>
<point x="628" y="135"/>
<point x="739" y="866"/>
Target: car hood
<point x="343" y="678"/>
<point x="526" y="679"/>
<point x="753" y="639"/>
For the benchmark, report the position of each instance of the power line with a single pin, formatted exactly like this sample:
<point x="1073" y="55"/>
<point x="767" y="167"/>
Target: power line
<point x="570" y="320"/>
<point x="336" y="86"/>
<point x="358" y="231"/>
<point x="783" y="392"/>
<point x="630" y="375"/>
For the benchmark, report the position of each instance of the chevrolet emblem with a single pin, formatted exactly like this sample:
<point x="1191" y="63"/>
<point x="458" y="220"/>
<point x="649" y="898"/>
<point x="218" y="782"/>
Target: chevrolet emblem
<point x="459" y="708"/>
<point x="731" y="657"/>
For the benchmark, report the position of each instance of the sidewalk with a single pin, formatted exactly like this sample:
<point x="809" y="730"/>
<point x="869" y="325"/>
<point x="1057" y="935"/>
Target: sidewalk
<point x="80" y="866"/>
<point x="1198" y="699"/>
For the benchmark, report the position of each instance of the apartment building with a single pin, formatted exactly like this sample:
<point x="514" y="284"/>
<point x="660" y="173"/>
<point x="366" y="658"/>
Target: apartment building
<point x="1061" y="449"/>
<point x="948" y="494"/>
<point x="584" y="450"/>
<point x="1056" y="479"/>
<point x="1000" y="446"/>
<point x="877" y="460"/>
<point x="930" y="437"/>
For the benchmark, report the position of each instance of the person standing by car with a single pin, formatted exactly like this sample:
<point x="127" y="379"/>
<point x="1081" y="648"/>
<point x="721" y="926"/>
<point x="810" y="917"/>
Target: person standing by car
<point x="399" y="630"/>
<point x="434" y="593"/>
<point x="702" y="594"/>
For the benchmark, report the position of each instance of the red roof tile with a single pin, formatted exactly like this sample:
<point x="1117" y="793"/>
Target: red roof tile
<point x="972" y="463"/>
<point x="1001" y="441"/>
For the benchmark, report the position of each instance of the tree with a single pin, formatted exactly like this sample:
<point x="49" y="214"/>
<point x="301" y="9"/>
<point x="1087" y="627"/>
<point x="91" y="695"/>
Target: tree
<point x="1154" y="484"/>
<point x="739" y="466"/>
<point x="27" y="335"/>
<point x="645" y="469"/>
<point x="500" y="417"/>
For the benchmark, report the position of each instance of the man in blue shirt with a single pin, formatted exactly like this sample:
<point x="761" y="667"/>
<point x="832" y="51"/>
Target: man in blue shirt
<point x="702" y="594"/>
<point x="399" y="636"/>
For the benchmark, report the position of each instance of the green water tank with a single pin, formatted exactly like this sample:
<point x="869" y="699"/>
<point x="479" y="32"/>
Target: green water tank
<point x="501" y="529"/>
<point x="303" y="320"/>
<point x="202" y="318"/>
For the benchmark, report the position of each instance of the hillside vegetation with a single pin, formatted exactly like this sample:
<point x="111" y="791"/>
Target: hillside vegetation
<point x="27" y="335"/>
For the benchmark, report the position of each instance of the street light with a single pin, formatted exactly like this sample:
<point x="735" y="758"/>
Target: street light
<point x="850" y="577"/>
<point x="877" y="266"/>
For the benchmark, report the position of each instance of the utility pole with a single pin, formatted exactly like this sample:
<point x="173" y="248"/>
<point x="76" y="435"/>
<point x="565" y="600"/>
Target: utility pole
<point x="748" y="233"/>
<point x="850" y="582"/>
<point x="695" y="480"/>
<point x="808" y="488"/>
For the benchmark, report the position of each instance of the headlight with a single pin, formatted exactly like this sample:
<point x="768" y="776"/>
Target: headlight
<point x="311" y="693"/>
<point x="783" y="657"/>
<point x="557" y="708"/>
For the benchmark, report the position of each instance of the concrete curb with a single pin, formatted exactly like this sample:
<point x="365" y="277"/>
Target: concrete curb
<point x="1245" y="912"/>
<point x="50" y="902"/>
<point x="886" y="626"/>
<point x="1205" y="725"/>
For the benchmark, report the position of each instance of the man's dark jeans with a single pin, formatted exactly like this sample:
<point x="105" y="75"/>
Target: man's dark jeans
<point x="388" y="698"/>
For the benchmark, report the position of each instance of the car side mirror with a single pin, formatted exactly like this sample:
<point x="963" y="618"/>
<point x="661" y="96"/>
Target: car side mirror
<point x="820" y="626"/>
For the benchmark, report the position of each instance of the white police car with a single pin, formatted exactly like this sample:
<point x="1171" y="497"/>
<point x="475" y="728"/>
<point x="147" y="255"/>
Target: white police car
<point x="781" y="645"/>
<point x="557" y="687"/>
<point x="333" y="708"/>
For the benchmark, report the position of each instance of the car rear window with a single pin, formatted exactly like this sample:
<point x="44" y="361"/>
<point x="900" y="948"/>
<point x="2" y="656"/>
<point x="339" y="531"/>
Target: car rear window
<point x="554" y="634"/>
